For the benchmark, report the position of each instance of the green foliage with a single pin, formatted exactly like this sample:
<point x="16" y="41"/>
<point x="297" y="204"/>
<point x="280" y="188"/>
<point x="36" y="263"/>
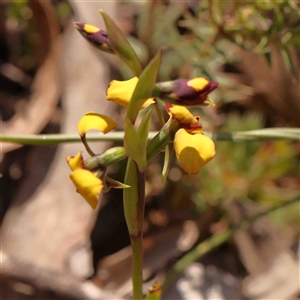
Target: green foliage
<point x="197" y="43"/>
<point x="247" y="169"/>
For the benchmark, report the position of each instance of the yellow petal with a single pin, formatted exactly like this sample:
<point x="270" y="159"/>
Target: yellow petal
<point x="90" y="28"/>
<point x="120" y="92"/>
<point x="198" y="84"/>
<point x="88" y="185"/>
<point x="75" y="162"/>
<point x="193" y="150"/>
<point x="86" y="28"/>
<point x="185" y="118"/>
<point x="92" y="120"/>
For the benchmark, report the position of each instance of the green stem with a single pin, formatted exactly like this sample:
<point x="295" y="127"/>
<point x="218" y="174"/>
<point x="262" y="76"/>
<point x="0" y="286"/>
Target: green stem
<point x="137" y="240"/>
<point x="215" y="241"/>
<point x="137" y="266"/>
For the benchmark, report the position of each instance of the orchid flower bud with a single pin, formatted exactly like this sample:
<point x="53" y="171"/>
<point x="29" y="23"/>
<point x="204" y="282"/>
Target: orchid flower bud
<point x="95" y="36"/>
<point x="186" y="92"/>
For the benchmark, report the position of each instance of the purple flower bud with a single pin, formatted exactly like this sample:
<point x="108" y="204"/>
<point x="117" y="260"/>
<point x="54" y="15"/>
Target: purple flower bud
<point x="185" y="92"/>
<point x="95" y="36"/>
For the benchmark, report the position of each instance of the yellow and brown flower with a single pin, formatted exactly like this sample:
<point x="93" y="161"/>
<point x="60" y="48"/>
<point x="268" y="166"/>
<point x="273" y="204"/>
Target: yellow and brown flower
<point x="193" y="149"/>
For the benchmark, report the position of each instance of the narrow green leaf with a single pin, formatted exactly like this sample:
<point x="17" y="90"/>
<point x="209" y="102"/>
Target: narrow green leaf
<point x="268" y="58"/>
<point x="260" y="47"/>
<point x="287" y="58"/>
<point x="278" y="19"/>
<point x="144" y="88"/>
<point x="120" y="45"/>
<point x="134" y="145"/>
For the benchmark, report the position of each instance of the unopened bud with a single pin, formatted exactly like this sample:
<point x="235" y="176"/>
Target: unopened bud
<point x="95" y="36"/>
<point x="185" y="92"/>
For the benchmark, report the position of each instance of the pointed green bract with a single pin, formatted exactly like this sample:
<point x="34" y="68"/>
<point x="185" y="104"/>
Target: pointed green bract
<point x="120" y="45"/>
<point x="167" y="161"/>
<point x="133" y="145"/>
<point x="144" y="88"/>
<point x="115" y="183"/>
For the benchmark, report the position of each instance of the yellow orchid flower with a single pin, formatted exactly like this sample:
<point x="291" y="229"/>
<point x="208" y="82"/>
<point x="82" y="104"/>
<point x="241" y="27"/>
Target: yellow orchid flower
<point x="87" y="184"/>
<point x="193" y="149"/>
<point x="120" y="92"/>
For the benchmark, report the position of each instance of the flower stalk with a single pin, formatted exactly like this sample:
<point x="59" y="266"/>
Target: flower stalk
<point x="134" y="205"/>
<point x="107" y="158"/>
<point x="136" y="239"/>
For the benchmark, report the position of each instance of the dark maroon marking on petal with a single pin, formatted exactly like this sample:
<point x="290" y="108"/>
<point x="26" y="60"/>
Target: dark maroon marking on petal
<point x="167" y="106"/>
<point x="191" y="128"/>
<point x="195" y="126"/>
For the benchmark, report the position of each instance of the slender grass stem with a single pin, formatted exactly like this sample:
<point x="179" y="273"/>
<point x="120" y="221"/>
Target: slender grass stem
<point x="215" y="241"/>
<point x="237" y="136"/>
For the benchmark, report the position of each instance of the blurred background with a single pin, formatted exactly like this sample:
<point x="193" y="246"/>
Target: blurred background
<point x="53" y="246"/>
